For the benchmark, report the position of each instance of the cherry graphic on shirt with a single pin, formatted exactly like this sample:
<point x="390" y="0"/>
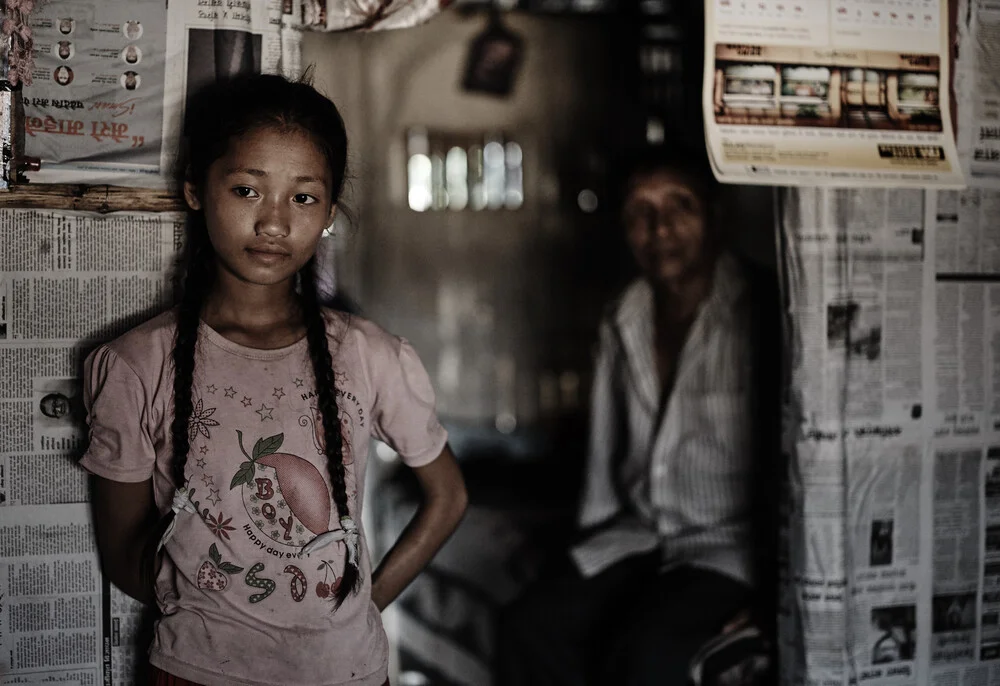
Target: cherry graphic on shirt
<point x="325" y="590"/>
<point x="212" y="575"/>
<point x="284" y="494"/>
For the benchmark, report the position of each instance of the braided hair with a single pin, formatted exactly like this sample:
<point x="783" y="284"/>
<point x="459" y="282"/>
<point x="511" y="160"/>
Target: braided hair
<point x="216" y="117"/>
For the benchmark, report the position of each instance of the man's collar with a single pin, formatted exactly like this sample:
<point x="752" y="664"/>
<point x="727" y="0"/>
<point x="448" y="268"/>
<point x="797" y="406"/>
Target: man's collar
<point x="728" y="284"/>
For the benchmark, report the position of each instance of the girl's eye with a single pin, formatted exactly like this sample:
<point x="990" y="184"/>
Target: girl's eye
<point x="245" y="192"/>
<point x="304" y="199"/>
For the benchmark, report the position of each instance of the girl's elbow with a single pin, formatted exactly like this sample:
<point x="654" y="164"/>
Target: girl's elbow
<point x="454" y="502"/>
<point x="460" y="501"/>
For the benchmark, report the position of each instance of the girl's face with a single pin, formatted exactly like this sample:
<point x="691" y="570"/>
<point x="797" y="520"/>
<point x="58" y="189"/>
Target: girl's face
<point x="266" y="203"/>
<point x="664" y="221"/>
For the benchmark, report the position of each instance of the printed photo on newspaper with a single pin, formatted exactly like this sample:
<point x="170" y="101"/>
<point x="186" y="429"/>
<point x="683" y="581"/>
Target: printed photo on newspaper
<point x="846" y="93"/>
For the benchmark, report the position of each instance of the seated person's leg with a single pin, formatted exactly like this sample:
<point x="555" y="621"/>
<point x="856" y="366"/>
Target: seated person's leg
<point x="666" y="624"/>
<point x="551" y="634"/>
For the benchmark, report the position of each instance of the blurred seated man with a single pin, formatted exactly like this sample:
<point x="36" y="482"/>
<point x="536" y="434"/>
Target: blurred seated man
<point x="666" y="558"/>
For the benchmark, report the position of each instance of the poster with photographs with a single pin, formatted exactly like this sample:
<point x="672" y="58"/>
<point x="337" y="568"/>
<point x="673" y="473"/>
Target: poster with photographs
<point x="96" y="101"/>
<point x="113" y="76"/>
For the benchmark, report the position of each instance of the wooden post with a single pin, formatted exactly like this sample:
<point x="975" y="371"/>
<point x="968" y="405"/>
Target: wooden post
<point x="84" y="198"/>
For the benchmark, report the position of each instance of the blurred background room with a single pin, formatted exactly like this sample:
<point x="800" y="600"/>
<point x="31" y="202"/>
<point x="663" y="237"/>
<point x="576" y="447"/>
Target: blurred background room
<point x="485" y="230"/>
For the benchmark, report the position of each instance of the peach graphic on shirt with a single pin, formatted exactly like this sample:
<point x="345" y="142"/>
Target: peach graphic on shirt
<point x="315" y="420"/>
<point x="284" y="494"/>
<point x="213" y="574"/>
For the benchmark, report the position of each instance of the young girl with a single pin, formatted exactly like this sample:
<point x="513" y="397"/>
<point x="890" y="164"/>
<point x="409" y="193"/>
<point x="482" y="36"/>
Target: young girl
<point x="228" y="436"/>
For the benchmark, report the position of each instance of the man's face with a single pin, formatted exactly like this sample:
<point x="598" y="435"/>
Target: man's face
<point x="55" y="406"/>
<point x="665" y="225"/>
<point x="62" y="76"/>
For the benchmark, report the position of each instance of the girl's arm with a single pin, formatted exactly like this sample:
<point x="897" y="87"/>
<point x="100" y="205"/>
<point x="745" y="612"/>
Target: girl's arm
<point x="444" y="502"/>
<point x="128" y="529"/>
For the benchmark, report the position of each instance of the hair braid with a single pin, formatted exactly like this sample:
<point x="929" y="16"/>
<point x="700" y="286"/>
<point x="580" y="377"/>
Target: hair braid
<point x="192" y="286"/>
<point x="319" y="352"/>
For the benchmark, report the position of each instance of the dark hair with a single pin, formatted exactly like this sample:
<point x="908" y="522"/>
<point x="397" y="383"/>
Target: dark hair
<point x="217" y="116"/>
<point x="687" y="162"/>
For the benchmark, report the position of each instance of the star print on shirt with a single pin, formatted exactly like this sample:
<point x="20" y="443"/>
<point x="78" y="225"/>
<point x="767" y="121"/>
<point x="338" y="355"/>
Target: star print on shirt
<point x="208" y="480"/>
<point x="230" y="392"/>
<point x="298" y="383"/>
<point x="213" y="495"/>
<point x="203" y="450"/>
<point x="200" y="462"/>
<point x="265" y="412"/>
<point x="247" y="402"/>
<point x="212" y="388"/>
<point x="340" y="378"/>
<point x="279" y="393"/>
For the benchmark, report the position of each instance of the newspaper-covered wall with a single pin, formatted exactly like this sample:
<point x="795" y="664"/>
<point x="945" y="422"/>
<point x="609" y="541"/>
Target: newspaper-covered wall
<point x="894" y="431"/>
<point x="977" y="88"/>
<point x="67" y="281"/>
<point x="112" y="76"/>
<point x="830" y="92"/>
<point x="893" y="520"/>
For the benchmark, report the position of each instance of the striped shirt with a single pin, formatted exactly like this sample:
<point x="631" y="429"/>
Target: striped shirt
<point x="677" y="479"/>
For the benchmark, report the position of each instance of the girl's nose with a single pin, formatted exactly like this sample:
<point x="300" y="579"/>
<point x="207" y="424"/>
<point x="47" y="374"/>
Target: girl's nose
<point x="272" y="221"/>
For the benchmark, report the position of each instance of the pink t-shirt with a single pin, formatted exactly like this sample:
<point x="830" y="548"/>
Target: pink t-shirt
<point x="241" y="603"/>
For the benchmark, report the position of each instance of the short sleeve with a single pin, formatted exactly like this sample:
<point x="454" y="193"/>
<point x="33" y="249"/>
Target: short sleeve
<point x="120" y="448"/>
<point x="403" y="415"/>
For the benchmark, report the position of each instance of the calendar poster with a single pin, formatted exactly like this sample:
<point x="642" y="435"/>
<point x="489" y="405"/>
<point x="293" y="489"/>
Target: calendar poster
<point x="829" y="93"/>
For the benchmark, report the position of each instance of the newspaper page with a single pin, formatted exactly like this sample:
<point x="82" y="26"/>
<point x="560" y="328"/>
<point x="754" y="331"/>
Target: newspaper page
<point x="67" y="282"/>
<point x="895" y="479"/>
<point x="829" y="92"/>
<point x="60" y="621"/>
<point x="967" y="326"/>
<point x="855" y="264"/>
<point x="112" y="75"/>
<point x="51" y="605"/>
<point x="856" y="275"/>
<point x="977" y="87"/>
<point x="964" y="451"/>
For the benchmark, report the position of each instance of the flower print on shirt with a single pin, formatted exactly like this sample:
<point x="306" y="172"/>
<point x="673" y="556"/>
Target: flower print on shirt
<point x="219" y="524"/>
<point x="200" y="421"/>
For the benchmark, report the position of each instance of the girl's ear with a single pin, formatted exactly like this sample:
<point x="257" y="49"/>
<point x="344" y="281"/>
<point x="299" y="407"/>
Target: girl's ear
<point x="333" y="215"/>
<point x="191" y="196"/>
